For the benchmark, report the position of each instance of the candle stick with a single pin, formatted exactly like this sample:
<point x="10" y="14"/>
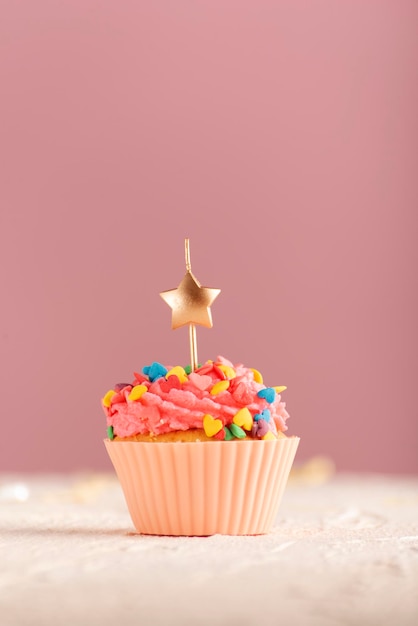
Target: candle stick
<point x="190" y="304"/>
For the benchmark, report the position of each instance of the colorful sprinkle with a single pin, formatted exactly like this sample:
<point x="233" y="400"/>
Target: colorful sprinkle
<point x="188" y="368"/>
<point x="172" y="382"/>
<point x="264" y="415"/>
<point x="218" y="372"/>
<point x="220" y="436"/>
<point x="257" y="376"/>
<point x="243" y="418"/>
<point x="220" y="386"/>
<point x="137" y="392"/>
<point x="120" y="386"/>
<point x="211" y="425"/>
<point x="262" y="428"/>
<point x="279" y="389"/>
<point x="268" y="394"/>
<point x="106" y="400"/>
<point x="154" y="371"/>
<point x="228" y="435"/>
<point x="178" y="371"/>
<point x="269" y="436"/>
<point x="206" y="368"/>
<point x="110" y="433"/>
<point x="141" y="378"/>
<point x="228" y="371"/>
<point x="237" y="431"/>
<point x="120" y="396"/>
<point x="200" y="381"/>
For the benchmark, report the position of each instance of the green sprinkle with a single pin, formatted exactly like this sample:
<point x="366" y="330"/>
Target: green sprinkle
<point x="228" y="434"/>
<point x="110" y="432"/>
<point x="237" y="431"/>
<point x="188" y="368"/>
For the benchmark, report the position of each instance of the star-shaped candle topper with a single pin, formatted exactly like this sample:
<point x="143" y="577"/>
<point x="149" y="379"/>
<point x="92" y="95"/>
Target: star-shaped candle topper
<point x="190" y="304"/>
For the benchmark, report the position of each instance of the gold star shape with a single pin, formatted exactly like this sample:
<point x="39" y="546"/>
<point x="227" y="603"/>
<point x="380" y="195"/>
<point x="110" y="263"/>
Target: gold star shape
<point x="190" y="302"/>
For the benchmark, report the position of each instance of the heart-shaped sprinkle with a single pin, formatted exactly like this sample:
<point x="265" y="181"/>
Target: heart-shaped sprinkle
<point x="172" y="382"/>
<point x="264" y="415"/>
<point x="268" y="394"/>
<point x="268" y="436"/>
<point x="205" y="368"/>
<point x="279" y="389"/>
<point x="220" y="386"/>
<point x="237" y="431"/>
<point x="233" y="384"/>
<point x="110" y="432"/>
<point x="228" y="435"/>
<point x="219" y="372"/>
<point x="220" y="436"/>
<point x="243" y="418"/>
<point x="199" y="381"/>
<point x="211" y="425"/>
<point x="120" y="396"/>
<point x="106" y="400"/>
<point x="241" y="392"/>
<point x="120" y="386"/>
<point x="257" y="376"/>
<point x="228" y="371"/>
<point x="140" y="377"/>
<point x="262" y="428"/>
<point x="154" y="371"/>
<point x="137" y="392"/>
<point x="179" y="372"/>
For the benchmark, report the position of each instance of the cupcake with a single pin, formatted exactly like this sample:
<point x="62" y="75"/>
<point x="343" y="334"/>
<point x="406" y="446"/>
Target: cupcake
<point x="199" y="452"/>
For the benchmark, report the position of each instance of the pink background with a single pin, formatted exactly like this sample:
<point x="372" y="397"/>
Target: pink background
<point x="281" y="137"/>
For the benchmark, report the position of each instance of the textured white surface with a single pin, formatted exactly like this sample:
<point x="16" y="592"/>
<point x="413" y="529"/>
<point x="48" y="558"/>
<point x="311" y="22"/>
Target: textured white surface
<point x="341" y="553"/>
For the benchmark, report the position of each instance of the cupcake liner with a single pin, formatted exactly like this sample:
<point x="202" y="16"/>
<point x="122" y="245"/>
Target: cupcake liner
<point x="203" y="488"/>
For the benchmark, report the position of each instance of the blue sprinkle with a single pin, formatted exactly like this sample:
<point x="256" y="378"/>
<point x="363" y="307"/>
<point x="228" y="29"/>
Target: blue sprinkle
<point x="268" y="394"/>
<point x="257" y="416"/>
<point x="154" y="371"/>
<point x="266" y="415"/>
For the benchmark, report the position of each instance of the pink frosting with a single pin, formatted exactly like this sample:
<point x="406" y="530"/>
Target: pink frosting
<point x="163" y="409"/>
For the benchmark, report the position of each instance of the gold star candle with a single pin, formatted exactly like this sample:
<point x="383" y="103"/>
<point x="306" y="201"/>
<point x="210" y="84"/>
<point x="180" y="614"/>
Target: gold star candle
<point x="190" y="304"/>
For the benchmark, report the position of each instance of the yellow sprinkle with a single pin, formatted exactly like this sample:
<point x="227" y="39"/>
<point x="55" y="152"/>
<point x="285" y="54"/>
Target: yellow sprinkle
<point x="179" y="372"/>
<point x="106" y="400"/>
<point x="269" y="435"/>
<point x="243" y="418"/>
<point x="279" y="389"/>
<point x="228" y="371"/>
<point x="211" y="425"/>
<point x="137" y="392"/>
<point x="257" y="376"/>
<point x="222" y="385"/>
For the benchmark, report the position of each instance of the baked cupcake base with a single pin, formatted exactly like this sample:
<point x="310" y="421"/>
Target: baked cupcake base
<point x="192" y="435"/>
<point x="203" y="487"/>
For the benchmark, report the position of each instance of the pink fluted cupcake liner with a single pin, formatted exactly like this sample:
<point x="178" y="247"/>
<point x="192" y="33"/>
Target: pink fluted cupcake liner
<point x="203" y="488"/>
